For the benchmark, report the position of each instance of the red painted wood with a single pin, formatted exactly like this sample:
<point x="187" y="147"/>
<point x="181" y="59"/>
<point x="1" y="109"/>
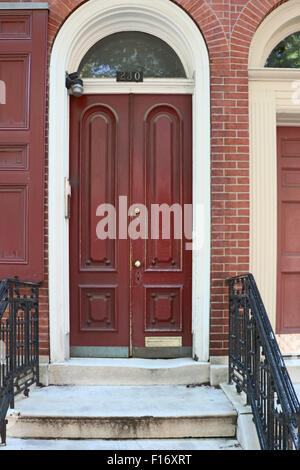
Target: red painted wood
<point x="23" y="40"/>
<point x="99" y="173"/>
<point x="288" y="278"/>
<point x="161" y="173"/>
<point x="137" y="146"/>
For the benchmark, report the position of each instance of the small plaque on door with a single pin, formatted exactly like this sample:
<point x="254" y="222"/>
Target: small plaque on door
<point x="163" y="341"/>
<point x="130" y="76"/>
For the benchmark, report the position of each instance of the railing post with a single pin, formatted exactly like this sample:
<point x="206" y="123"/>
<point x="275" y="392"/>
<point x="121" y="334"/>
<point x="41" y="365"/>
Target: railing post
<point x="12" y="342"/>
<point x="257" y="367"/>
<point x="36" y="330"/>
<point x="230" y="332"/>
<point x="27" y="338"/>
<point x="3" y="432"/>
<point x="19" y="331"/>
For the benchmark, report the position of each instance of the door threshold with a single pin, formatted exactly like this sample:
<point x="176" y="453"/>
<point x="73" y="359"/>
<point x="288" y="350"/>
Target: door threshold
<point x="114" y="352"/>
<point x="99" y="351"/>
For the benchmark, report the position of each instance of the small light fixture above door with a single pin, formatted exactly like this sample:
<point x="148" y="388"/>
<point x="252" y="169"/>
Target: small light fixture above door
<point x="74" y="84"/>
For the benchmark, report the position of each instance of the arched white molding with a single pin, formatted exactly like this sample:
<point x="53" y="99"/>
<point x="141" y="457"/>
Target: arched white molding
<point x="89" y="23"/>
<point x="279" y="24"/>
<point x="272" y="93"/>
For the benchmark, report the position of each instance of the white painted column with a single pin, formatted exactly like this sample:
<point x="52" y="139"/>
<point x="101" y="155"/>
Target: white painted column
<point x="263" y="194"/>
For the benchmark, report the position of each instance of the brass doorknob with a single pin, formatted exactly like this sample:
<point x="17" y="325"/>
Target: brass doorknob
<point x="137" y="264"/>
<point x="137" y="211"/>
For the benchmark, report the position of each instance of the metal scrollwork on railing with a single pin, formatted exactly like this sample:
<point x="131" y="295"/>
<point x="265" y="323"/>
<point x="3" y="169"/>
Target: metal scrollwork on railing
<point x="19" y="342"/>
<point x="257" y="368"/>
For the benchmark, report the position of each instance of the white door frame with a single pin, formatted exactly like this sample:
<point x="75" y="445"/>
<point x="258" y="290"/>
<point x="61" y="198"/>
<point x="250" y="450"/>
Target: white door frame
<point x="88" y="24"/>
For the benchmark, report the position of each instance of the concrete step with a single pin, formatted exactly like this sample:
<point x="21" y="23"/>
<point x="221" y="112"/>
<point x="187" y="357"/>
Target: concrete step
<point x="293" y="367"/>
<point x="297" y="390"/>
<point x="112" y="412"/>
<point x="104" y="371"/>
<point x="139" y="444"/>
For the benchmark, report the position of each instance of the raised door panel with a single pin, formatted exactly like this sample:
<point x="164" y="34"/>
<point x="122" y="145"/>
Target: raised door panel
<point x="14" y="225"/>
<point x="163" y="178"/>
<point x="290" y="301"/>
<point x="98" y="177"/>
<point x="15" y="76"/>
<point x="15" y="26"/>
<point x="98" y="308"/>
<point x="13" y="157"/>
<point x="163" y="308"/>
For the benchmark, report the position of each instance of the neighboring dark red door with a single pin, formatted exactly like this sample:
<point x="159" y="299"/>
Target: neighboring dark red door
<point x="137" y="147"/>
<point x="288" y="278"/>
<point x="23" y="58"/>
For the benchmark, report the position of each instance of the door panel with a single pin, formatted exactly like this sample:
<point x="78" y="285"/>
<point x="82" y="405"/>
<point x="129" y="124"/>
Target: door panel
<point x="162" y="165"/>
<point x="98" y="134"/>
<point x="137" y="146"/>
<point x="14" y="66"/>
<point x="288" y="284"/>
<point x="99" y="274"/>
<point x="163" y="181"/>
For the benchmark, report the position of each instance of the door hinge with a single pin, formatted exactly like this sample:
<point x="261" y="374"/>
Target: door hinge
<point x="67" y="198"/>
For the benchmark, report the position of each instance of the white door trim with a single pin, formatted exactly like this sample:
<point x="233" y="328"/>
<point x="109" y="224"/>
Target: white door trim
<point x="81" y="30"/>
<point x="176" y="86"/>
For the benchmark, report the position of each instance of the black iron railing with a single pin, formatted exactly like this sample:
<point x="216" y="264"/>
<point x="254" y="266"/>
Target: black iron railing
<point x="257" y="368"/>
<point x="19" y="342"/>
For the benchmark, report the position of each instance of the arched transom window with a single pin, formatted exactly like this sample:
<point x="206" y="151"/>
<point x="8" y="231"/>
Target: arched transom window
<point x="286" y="54"/>
<point x="131" y="51"/>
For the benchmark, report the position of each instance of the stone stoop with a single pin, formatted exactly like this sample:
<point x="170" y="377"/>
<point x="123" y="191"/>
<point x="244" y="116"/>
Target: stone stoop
<point x="123" y="412"/>
<point x="105" y="371"/>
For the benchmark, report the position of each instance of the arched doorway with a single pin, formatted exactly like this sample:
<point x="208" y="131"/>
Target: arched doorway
<point x="83" y="29"/>
<point x="274" y="110"/>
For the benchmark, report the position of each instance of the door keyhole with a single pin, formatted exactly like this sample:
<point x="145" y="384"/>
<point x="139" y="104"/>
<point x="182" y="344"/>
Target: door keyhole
<point x="138" y="277"/>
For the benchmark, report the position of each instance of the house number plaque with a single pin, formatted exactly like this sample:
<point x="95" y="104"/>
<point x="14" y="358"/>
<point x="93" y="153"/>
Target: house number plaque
<point x="130" y="76"/>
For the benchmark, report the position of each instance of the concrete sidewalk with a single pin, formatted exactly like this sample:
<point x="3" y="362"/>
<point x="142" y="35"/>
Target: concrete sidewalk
<point x="138" y="444"/>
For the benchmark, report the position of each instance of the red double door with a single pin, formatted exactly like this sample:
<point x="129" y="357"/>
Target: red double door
<point x="130" y="279"/>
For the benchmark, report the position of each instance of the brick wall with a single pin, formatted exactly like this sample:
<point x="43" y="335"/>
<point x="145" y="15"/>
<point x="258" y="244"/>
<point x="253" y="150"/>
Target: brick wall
<point x="228" y="27"/>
